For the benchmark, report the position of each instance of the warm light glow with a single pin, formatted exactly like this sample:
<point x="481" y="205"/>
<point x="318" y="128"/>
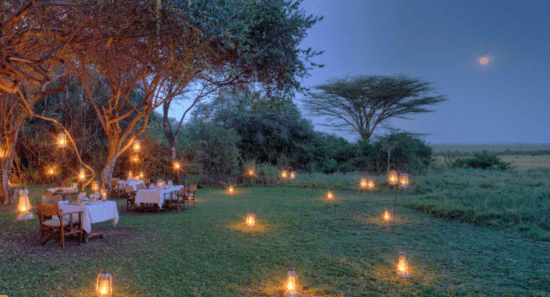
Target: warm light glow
<point x="329" y="195"/>
<point x="284" y="174"/>
<point x="230" y="189"/>
<point x="292" y="175"/>
<point x="402" y="267"/>
<point x="392" y="177"/>
<point x="23" y="208"/>
<point x="177" y="165"/>
<point x="135" y="158"/>
<point x="404" y="180"/>
<point x="370" y="184"/>
<point x="251" y="220"/>
<point x="363" y="183"/>
<point x="251" y="172"/>
<point x="62" y="140"/>
<point x="1" y="153"/>
<point x="137" y="146"/>
<point x="103" y="194"/>
<point x="82" y="175"/>
<point x="130" y="173"/>
<point x="104" y="285"/>
<point x="291" y="281"/>
<point x="386" y="215"/>
<point x="95" y="186"/>
<point x="484" y="60"/>
<point x="141" y="175"/>
<point x="51" y="171"/>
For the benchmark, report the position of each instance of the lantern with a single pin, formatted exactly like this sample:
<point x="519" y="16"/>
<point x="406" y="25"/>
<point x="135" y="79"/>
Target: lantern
<point x="370" y="184"/>
<point x="284" y="174"/>
<point x="160" y="183"/>
<point x="291" y="281"/>
<point x="387" y="216"/>
<point x="251" y="220"/>
<point x="62" y="140"/>
<point x="230" y="189"/>
<point x="403" y="267"/>
<point x="24" y="206"/>
<point x="137" y="146"/>
<point x="404" y="180"/>
<point x="141" y="175"/>
<point x="251" y="172"/>
<point x="82" y="174"/>
<point x="135" y="158"/>
<point x="104" y="285"/>
<point x="95" y="186"/>
<point x="130" y="174"/>
<point x="103" y="194"/>
<point x="51" y="171"/>
<point x="329" y="195"/>
<point x="177" y="165"/>
<point x="363" y="183"/>
<point x="392" y="178"/>
<point x="292" y="175"/>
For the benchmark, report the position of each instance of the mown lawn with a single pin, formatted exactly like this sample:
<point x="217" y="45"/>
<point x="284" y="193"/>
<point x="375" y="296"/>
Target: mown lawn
<point x="341" y="248"/>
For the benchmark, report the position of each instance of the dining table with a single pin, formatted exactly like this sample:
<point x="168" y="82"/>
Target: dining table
<point x="64" y="192"/>
<point x="132" y="183"/>
<point x="93" y="212"/>
<point x="155" y="195"/>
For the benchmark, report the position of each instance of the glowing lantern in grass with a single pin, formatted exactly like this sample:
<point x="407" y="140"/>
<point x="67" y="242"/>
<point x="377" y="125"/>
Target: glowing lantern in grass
<point x="363" y="183"/>
<point x="24" y="205"/>
<point x="392" y="178"/>
<point x="404" y="180"/>
<point x="82" y="174"/>
<point x="292" y="175"/>
<point x="103" y="193"/>
<point x="370" y="184"/>
<point x="402" y="267"/>
<point x="137" y="146"/>
<point x="141" y="175"/>
<point x="95" y="186"/>
<point x="329" y="195"/>
<point x="62" y="140"/>
<point x="284" y="174"/>
<point x="387" y="216"/>
<point x="231" y="190"/>
<point x="251" y="220"/>
<point x="104" y="285"/>
<point x="291" y="282"/>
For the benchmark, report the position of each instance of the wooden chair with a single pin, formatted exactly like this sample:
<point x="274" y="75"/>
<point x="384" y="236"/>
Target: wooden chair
<point x="171" y="201"/>
<point x="147" y="182"/>
<point x="140" y="187"/>
<point x="182" y="196"/>
<point x="190" y="195"/>
<point x="59" y="227"/>
<point x="115" y="189"/>
<point x="48" y="199"/>
<point x="130" y="196"/>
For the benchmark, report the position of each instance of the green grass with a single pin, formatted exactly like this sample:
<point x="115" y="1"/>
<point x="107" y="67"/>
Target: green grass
<point x="338" y="249"/>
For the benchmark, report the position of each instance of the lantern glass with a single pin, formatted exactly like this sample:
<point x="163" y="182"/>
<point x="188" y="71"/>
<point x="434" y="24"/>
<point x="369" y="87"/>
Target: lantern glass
<point x="103" y="194"/>
<point x="141" y="175"/>
<point x="284" y="174"/>
<point x="24" y="206"/>
<point x="82" y="174"/>
<point x="291" y="281"/>
<point x="329" y="195"/>
<point x="130" y="173"/>
<point x="104" y="285"/>
<point x="292" y="175"/>
<point x="135" y="158"/>
<point x="251" y="172"/>
<point x="392" y="178"/>
<point x="363" y="183"/>
<point x="95" y="186"/>
<point x="230" y="189"/>
<point x="370" y="184"/>
<point x="137" y="146"/>
<point x="404" y="180"/>
<point x="387" y="216"/>
<point x="403" y="267"/>
<point x="251" y="220"/>
<point x="62" y="140"/>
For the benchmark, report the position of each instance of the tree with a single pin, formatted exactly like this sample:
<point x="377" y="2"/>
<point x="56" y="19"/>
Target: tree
<point x="361" y="103"/>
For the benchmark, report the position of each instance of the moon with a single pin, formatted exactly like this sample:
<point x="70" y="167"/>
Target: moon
<point x="483" y="60"/>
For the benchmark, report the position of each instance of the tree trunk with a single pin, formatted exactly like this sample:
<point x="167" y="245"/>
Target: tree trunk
<point x="6" y="192"/>
<point x="173" y="158"/>
<point x="389" y="157"/>
<point x="107" y="172"/>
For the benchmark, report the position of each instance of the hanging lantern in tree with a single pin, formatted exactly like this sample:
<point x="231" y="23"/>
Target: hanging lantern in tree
<point x="251" y="220"/>
<point x="62" y="140"/>
<point x="130" y="174"/>
<point x="370" y="184"/>
<point x="363" y="183"/>
<point x="404" y="180"/>
<point x="95" y="186"/>
<point x="104" y="284"/>
<point x="24" y="205"/>
<point x="392" y="178"/>
<point x="82" y="174"/>
<point x="291" y="282"/>
<point x="251" y="172"/>
<point x="292" y="175"/>
<point x="177" y="166"/>
<point x="403" y="267"/>
<point x="141" y="175"/>
<point x="135" y="158"/>
<point x="284" y="174"/>
<point x="137" y="146"/>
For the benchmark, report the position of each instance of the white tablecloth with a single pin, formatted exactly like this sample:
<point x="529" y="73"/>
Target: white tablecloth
<point x="67" y="190"/>
<point x="155" y="195"/>
<point x="93" y="213"/>
<point x="132" y="183"/>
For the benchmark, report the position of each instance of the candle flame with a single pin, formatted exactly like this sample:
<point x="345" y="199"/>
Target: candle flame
<point x="103" y="290"/>
<point x="291" y="284"/>
<point x="402" y="266"/>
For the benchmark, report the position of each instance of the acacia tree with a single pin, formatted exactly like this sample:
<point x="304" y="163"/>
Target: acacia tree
<point x="362" y="103"/>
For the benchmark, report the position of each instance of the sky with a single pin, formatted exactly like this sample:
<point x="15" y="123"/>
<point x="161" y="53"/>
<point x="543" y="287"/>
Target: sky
<point x="504" y="101"/>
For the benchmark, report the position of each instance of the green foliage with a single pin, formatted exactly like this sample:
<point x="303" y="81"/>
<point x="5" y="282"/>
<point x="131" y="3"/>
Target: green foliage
<point x="483" y="160"/>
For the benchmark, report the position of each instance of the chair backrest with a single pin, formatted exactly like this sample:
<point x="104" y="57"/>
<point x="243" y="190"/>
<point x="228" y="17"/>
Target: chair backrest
<point x="114" y="182"/>
<point x="147" y="180"/>
<point x="193" y="188"/>
<point x="129" y="189"/>
<point x="47" y="210"/>
<point x="50" y="199"/>
<point x="182" y="191"/>
<point x="140" y="186"/>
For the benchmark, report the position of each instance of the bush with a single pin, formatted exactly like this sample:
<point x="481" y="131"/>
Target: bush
<point x="483" y="160"/>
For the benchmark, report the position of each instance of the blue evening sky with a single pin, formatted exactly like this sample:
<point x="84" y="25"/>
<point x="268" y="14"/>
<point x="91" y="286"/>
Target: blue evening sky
<point x="505" y="101"/>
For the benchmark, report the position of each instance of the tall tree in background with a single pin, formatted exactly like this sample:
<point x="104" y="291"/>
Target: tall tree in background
<point x="362" y="103"/>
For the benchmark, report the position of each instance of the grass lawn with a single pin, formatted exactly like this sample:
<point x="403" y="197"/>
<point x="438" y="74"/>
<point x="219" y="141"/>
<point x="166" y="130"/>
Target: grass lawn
<point x="341" y="248"/>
